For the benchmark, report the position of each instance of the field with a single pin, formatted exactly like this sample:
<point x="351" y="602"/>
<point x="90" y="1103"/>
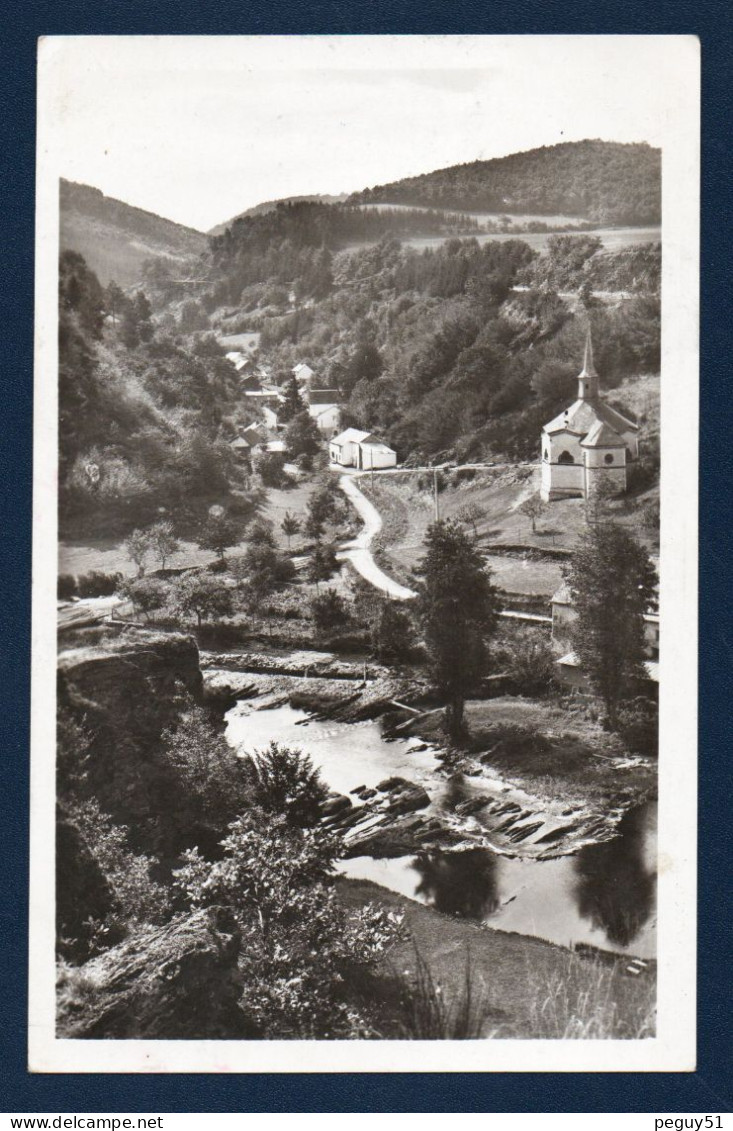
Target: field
<point x="613" y="239"/>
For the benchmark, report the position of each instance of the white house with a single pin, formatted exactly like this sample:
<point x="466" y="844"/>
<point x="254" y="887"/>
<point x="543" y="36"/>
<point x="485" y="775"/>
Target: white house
<point x="239" y="360"/>
<point x="324" y="407"/>
<point x="302" y="372"/>
<point x="353" y="448"/>
<point x="270" y="417"/>
<point x="587" y="443"/>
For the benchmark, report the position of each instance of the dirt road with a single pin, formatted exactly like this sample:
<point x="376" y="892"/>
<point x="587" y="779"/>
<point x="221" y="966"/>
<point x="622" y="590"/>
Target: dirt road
<point x="357" y="551"/>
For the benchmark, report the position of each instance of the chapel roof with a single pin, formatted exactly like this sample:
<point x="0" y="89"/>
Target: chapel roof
<point x="602" y="435"/>
<point x="583" y="414"/>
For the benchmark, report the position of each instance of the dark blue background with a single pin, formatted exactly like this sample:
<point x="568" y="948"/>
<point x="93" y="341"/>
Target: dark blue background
<point x="703" y="1091"/>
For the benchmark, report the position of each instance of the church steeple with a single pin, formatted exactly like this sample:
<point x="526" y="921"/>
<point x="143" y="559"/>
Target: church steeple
<point x="588" y="378"/>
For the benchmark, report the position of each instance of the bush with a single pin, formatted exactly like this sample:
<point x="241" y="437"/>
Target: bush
<point x="98" y="584"/>
<point x="392" y="633"/>
<point x="66" y="587"/>
<point x="531" y="663"/>
<point x="146" y="593"/>
<point x="284" y="781"/>
<point x="638" y="726"/>
<point x="217" y="566"/>
<point x="270" y="466"/>
<point x="329" y="610"/>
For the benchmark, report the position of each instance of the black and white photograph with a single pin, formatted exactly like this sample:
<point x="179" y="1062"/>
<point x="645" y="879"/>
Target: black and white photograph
<point x="364" y="554"/>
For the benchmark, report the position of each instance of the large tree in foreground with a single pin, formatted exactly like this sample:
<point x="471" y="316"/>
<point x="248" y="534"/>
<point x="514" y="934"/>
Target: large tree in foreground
<point x="613" y="583"/>
<point x="457" y="607"/>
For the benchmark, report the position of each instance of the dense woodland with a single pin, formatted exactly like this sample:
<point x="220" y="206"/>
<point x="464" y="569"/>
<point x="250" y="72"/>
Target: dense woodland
<point x="603" y="181"/>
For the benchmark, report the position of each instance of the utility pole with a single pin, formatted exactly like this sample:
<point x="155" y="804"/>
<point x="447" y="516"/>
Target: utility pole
<point x="435" y="494"/>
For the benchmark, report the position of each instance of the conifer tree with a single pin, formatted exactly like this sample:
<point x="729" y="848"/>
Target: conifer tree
<point x="613" y="583"/>
<point x="457" y="608"/>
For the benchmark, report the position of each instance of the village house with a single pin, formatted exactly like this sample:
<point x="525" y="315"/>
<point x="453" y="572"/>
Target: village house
<point x="564" y="616"/>
<point x="362" y="450"/>
<point x="239" y="360"/>
<point x="587" y="443"/>
<point x="302" y="372"/>
<point x="324" y="408"/>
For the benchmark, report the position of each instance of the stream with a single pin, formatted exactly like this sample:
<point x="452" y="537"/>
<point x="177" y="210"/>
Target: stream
<point x="602" y="896"/>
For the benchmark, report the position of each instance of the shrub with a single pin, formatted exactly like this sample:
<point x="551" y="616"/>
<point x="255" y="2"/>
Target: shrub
<point x="66" y="587"/>
<point x="323" y="564"/>
<point x="392" y="633"/>
<point x="531" y="663"/>
<point x="284" y="781"/>
<point x="146" y="593"/>
<point x="260" y="533"/>
<point x="302" y="946"/>
<point x="98" y="584"/>
<point x="329" y="610"/>
<point x="270" y="466"/>
<point x="638" y="726"/>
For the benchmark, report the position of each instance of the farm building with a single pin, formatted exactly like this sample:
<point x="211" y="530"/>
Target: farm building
<point x="587" y="444"/>
<point x="239" y="360"/>
<point x="302" y="372"/>
<point x="324" y="407"/>
<point x="363" y="450"/>
<point x="240" y="447"/>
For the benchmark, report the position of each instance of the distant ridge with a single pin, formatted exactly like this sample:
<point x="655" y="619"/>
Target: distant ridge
<point x="604" y="181"/>
<point x="271" y="205"/>
<point x="116" y="238"/>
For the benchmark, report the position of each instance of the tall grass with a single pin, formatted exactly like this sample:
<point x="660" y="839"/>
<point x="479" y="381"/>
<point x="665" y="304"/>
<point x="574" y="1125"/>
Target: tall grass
<point x="582" y="1001"/>
<point x="428" y="1014"/>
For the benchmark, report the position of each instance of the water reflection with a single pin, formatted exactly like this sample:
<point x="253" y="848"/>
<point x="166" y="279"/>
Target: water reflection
<point x="615" y="888"/>
<point x="459" y="883"/>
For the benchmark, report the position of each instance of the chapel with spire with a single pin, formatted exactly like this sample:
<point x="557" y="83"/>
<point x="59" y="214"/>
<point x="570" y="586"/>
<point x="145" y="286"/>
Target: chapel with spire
<point x="587" y="443"/>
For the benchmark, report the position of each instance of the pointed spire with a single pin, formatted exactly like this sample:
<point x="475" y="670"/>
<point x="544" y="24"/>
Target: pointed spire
<point x="588" y="366"/>
<point x="588" y="378"/>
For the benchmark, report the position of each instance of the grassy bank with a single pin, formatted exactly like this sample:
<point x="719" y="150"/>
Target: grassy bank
<point x="553" y="749"/>
<point x="522" y="987"/>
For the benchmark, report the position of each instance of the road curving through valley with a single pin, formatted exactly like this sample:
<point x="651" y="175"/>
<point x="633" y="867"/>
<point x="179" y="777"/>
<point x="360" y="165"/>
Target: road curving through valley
<point x="358" y="551"/>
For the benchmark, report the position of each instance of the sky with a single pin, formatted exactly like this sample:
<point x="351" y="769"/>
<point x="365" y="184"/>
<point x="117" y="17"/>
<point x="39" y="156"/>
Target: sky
<point x="199" y="129"/>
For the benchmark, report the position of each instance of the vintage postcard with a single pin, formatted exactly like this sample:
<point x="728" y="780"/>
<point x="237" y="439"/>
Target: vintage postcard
<point x="365" y="540"/>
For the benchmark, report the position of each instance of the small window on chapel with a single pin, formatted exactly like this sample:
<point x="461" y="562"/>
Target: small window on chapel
<point x="565" y="457"/>
<point x="608" y="458"/>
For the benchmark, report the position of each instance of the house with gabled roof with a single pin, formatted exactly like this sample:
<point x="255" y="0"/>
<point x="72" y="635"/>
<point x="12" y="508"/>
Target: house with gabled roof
<point x="588" y="443"/>
<point x="302" y="372"/>
<point x="362" y="450"/>
<point x="324" y="406"/>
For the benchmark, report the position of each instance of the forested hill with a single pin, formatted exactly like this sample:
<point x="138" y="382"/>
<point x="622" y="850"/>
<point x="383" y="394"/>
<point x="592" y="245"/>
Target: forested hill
<point x="601" y="181"/>
<point x="116" y="238"/>
<point x="271" y="205"/>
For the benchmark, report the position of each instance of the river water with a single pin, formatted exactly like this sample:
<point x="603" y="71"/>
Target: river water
<point x="603" y="896"/>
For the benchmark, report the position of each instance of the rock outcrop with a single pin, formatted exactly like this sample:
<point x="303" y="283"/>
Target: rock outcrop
<point x="161" y="984"/>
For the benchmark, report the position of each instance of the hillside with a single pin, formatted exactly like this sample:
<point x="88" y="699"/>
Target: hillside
<point x="116" y="238"/>
<point x="602" y="181"/>
<point x="270" y="206"/>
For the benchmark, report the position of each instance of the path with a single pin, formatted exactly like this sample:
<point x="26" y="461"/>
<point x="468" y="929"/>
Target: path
<point x="357" y="551"/>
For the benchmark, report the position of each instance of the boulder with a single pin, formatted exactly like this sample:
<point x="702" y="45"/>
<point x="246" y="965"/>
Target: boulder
<point x="175" y="982"/>
<point x="337" y="803"/>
